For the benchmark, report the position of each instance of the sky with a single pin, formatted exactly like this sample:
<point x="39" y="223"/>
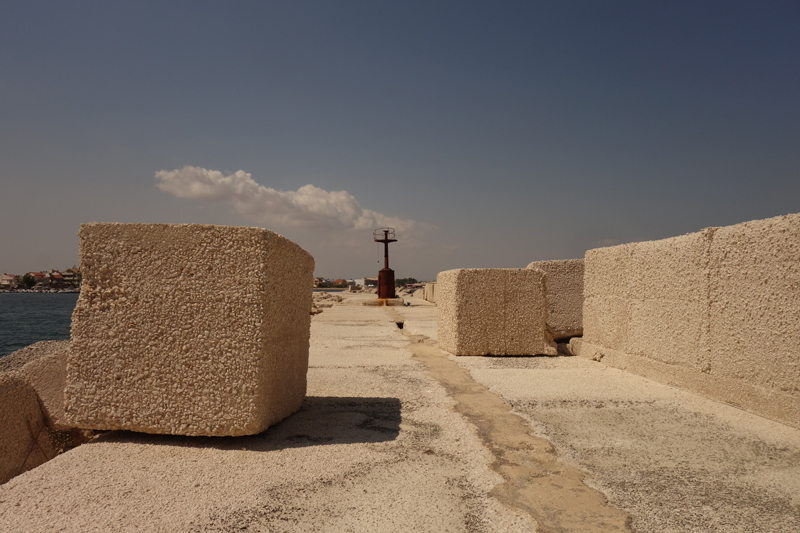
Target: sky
<point x="488" y="134"/>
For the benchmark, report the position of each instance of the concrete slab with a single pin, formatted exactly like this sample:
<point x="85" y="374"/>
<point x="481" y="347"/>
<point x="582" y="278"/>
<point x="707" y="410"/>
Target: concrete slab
<point x="674" y="460"/>
<point x="375" y="447"/>
<point x="406" y="439"/>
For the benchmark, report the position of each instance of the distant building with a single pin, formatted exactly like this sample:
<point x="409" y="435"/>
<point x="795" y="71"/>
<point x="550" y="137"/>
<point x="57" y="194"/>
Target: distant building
<point x="370" y="282"/>
<point x="42" y="278"/>
<point x="56" y="279"/>
<point x="10" y="281"/>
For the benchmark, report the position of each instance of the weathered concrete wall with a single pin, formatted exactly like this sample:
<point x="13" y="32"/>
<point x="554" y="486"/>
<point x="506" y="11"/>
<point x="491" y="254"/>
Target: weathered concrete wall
<point x="564" y="296"/>
<point x="493" y="311"/>
<point x="24" y="441"/>
<point x="188" y="329"/>
<point x="716" y="311"/>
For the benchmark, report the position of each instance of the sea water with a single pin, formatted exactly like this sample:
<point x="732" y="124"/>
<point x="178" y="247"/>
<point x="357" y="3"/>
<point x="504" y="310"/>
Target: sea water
<point x="28" y="317"/>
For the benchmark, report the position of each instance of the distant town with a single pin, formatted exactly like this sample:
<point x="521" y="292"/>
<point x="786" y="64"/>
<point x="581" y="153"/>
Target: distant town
<point x="68" y="280"/>
<point x="366" y="283"/>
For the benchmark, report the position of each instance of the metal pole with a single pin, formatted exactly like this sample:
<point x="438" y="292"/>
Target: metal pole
<point x="386" y="249"/>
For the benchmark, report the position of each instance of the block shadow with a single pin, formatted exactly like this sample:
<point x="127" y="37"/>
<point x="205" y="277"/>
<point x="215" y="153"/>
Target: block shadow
<point x="322" y="420"/>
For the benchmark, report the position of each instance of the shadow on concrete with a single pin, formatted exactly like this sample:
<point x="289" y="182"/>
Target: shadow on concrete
<point x="321" y="420"/>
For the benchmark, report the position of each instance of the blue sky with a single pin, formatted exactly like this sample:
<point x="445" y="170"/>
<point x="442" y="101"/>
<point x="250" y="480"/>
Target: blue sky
<point x="491" y="133"/>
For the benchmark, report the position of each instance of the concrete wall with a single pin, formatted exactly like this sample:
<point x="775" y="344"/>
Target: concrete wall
<point x="24" y="441"/>
<point x="716" y="311"/>
<point x="493" y="311"/>
<point x="564" y="296"/>
<point x="188" y="329"/>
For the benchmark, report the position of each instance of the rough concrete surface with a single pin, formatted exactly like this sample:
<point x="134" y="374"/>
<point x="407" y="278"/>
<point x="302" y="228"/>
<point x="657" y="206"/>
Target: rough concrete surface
<point x="396" y="435"/>
<point x="43" y="365"/>
<point x="564" y="287"/>
<point x="24" y="442"/>
<point x="188" y="329"/>
<point x="674" y="460"/>
<point x="493" y="311"/>
<point x="375" y="447"/>
<point x="429" y="292"/>
<point x="716" y="311"/>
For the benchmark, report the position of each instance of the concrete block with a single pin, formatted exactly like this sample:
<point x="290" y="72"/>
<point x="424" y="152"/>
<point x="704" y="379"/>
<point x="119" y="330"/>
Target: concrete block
<point x="48" y="376"/>
<point x="717" y="311"/>
<point x="430" y="292"/>
<point x="754" y="303"/>
<point x="564" y="296"/>
<point x="188" y="329"/>
<point x="493" y="311"/>
<point x="574" y="345"/>
<point x="649" y="299"/>
<point x="43" y="365"/>
<point x="24" y="441"/>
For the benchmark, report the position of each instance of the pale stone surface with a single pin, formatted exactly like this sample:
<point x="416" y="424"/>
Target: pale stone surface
<point x="575" y="345"/>
<point x="493" y="311"/>
<point x="564" y="296"/>
<point x="188" y="329"/>
<point x="429" y="293"/>
<point x="376" y="446"/>
<point x="716" y="311"/>
<point x="24" y="441"/>
<point x="47" y="374"/>
<point x="386" y="302"/>
<point x="44" y="366"/>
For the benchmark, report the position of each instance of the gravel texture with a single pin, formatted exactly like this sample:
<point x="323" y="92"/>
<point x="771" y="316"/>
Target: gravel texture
<point x="16" y="360"/>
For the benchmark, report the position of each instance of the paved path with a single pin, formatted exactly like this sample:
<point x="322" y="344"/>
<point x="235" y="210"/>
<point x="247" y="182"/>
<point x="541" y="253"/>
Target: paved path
<point x="673" y="460"/>
<point x="397" y="436"/>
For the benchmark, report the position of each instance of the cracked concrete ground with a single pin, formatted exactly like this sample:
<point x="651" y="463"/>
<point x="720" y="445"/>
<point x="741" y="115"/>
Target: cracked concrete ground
<point x="375" y="447"/>
<point x="398" y="436"/>
<point x="674" y="460"/>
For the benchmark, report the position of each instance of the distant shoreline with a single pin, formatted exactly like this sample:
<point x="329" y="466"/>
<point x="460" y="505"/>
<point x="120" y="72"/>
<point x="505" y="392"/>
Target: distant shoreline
<point x="45" y="291"/>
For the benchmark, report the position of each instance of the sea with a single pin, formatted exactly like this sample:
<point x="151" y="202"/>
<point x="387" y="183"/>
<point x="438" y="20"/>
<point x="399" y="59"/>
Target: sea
<point x="28" y="317"/>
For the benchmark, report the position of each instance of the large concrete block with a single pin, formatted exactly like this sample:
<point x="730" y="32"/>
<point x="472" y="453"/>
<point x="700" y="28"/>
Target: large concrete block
<point x="754" y="303"/>
<point x="24" y="441"/>
<point x="493" y="311"/>
<point x="649" y="299"/>
<point x="564" y="296"/>
<point x="188" y="329"/>
<point x="717" y="311"/>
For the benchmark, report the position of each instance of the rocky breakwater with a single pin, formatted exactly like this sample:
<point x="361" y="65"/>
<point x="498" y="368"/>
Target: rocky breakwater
<point x="33" y="428"/>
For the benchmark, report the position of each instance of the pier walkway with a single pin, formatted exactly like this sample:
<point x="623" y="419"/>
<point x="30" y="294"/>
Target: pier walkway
<point x="396" y="435"/>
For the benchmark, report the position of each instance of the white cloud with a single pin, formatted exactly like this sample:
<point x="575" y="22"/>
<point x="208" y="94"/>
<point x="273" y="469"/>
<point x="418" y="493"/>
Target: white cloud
<point x="307" y="207"/>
